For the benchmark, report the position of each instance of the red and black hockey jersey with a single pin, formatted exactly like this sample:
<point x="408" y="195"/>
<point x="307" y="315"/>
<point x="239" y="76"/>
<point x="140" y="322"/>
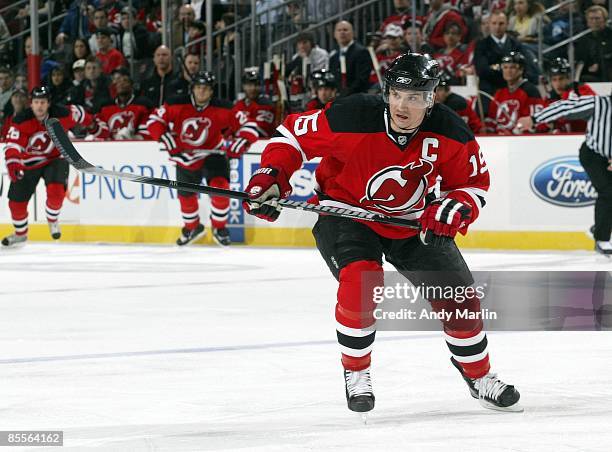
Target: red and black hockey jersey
<point x="133" y="115"/>
<point x="366" y="166"/>
<point x="571" y="125"/>
<point x="460" y="105"/>
<point x="28" y="140"/>
<point x="508" y="106"/>
<point x="314" y="104"/>
<point x="261" y="111"/>
<point x="189" y="132"/>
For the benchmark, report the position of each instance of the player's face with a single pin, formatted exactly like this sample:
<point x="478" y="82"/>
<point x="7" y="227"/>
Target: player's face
<point x="123" y="85"/>
<point x="202" y="93"/>
<point x="441" y="94"/>
<point x="40" y="107"/>
<point x="408" y="108"/>
<point x="251" y="90"/>
<point x="559" y="82"/>
<point x="192" y="63"/>
<point x="326" y="94"/>
<point x="512" y="72"/>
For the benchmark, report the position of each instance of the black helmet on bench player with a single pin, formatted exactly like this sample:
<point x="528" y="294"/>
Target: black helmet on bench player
<point x="324" y="78"/>
<point x="40" y="92"/>
<point x="203" y="78"/>
<point x="412" y="72"/>
<point x="514" y="57"/>
<point x="559" y="66"/>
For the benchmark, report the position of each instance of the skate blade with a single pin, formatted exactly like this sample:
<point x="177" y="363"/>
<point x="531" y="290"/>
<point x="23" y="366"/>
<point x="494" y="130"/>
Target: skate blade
<point x="197" y="237"/>
<point x="16" y="246"/>
<point x="516" y="408"/>
<point x="364" y="418"/>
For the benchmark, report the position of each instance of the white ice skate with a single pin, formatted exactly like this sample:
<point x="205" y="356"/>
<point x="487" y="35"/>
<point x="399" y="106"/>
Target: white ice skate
<point x="14" y="241"/>
<point x="54" y="230"/>
<point x="491" y="392"/>
<point x="359" y="394"/>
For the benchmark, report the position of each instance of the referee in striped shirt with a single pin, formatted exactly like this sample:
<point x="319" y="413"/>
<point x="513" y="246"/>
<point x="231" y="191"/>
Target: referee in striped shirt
<point x="595" y="153"/>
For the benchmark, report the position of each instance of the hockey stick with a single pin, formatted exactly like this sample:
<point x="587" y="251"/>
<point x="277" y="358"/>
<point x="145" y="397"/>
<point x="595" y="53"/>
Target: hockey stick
<point x="67" y="149"/>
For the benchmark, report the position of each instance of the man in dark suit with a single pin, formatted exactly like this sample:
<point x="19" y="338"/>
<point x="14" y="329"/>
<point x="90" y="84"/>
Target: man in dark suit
<point x="357" y="57"/>
<point x="490" y="51"/>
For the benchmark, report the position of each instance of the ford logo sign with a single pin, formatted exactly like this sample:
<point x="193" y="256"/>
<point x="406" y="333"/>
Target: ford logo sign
<point x="563" y="182"/>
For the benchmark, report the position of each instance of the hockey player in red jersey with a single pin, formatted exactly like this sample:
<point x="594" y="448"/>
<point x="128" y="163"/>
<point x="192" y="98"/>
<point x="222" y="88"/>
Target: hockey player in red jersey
<point x="519" y="98"/>
<point x="258" y="108"/>
<point x="459" y="105"/>
<point x="191" y="129"/>
<point x="126" y="117"/>
<point x="385" y="155"/>
<point x="325" y="86"/>
<point x="559" y="74"/>
<point x="31" y="155"/>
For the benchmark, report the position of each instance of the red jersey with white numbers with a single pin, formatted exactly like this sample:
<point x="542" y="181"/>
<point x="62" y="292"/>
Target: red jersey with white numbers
<point x="28" y="140"/>
<point x="367" y="166"/>
<point x="260" y="111"/>
<point x="196" y="130"/>
<point x="132" y="115"/>
<point x="508" y="106"/>
<point x="462" y="107"/>
<point x="571" y="125"/>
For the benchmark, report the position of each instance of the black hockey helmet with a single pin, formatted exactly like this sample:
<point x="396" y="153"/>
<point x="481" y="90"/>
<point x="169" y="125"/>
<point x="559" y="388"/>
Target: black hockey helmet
<point x="251" y="75"/>
<point x="324" y="78"/>
<point x="40" y="92"/>
<point x="514" y="57"/>
<point x="203" y="78"/>
<point x="412" y="71"/>
<point x="445" y="80"/>
<point x="559" y="66"/>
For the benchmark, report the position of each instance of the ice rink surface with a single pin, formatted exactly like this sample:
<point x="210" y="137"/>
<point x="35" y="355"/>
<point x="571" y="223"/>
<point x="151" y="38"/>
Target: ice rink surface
<point x="157" y="348"/>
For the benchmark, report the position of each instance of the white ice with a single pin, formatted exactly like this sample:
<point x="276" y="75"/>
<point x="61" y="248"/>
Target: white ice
<point x="159" y="348"/>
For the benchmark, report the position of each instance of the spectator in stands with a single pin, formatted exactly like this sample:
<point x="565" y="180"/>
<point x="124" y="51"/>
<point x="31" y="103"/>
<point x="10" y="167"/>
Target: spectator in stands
<point x="6" y="86"/>
<point x="453" y="58"/>
<point x="110" y="58"/>
<point x="558" y="28"/>
<point x="155" y="88"/>
<point x="180" y="35"/>
<point x="197" y="29"/>
<point x="439" y="15"/>
<point x="490" y="51"/>
<point x="401" y="10"/>
<point x="459" y="105"/>
<point x="524" y="19"/>
<point x="136" y="43"/>
<point x="80" y="51"/>
<point x="357" y="58"/>
<point x="16" y="104"/>
<point x="517" y="99"/>
<point x="94" y="90"/>
<point x="78" y="72"/>
<point x="306" y="47"/>
<point x="76" y="22"/>
<point x="413" y="38"/>
<point x="4" y="48"/>
<point x="58" y="84"/>
<point x="390" y="48"/>
<point x="100" y="21"/>
<point x="595" y="49"/>
<point x="292" y="19"/>
<point x="180" y="85"/>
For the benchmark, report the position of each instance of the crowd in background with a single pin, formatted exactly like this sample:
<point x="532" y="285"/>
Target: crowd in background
<point x="99" y="42"/>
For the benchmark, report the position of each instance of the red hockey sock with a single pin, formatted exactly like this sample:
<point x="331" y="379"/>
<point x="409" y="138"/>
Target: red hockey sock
<point x="354" y="315"/>
<point x="465" y="337"/>
<point x="189" y="210"/>
<point x="219" y="206"/>
<point x="55" y="198"/>
<point x="19" y="215"/>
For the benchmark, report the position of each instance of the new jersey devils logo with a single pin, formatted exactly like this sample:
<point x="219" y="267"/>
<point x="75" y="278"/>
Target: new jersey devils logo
<point x="40" y="143"/>
<point x="507" y="113"/>
<point x="398" y="189"/>
<point x="121" y="120"/>
<point x="195" y="131"/>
